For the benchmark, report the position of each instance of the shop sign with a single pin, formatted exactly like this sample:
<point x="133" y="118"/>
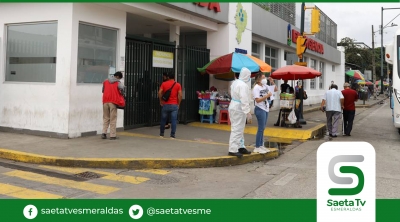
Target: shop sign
<point x="310" y="44"/>
<point x="210" y="5"/>
<point x="163" y="59"/>
<point x="243" y="51"/>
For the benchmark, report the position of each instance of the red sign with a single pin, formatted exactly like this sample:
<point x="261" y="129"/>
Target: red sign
<point x="211" y="5"/>
<point x="310" y="44"/>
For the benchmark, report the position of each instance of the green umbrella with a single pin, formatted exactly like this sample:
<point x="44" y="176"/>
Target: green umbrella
<point x="355" y="74"/>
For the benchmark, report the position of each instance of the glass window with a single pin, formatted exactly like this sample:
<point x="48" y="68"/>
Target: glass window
<point x="333" y="68"/>
<point x="271" y="57"/>
<point x="321" y="78"/>
<point x="255" y="50"/>
<point x="273" y="53"/>
<point x="313" y="66"/>
<point x="31" y="54"/>
<point x="97" y="53"/>
<point x="267" y="51"/>
<point x="273" y="63"/>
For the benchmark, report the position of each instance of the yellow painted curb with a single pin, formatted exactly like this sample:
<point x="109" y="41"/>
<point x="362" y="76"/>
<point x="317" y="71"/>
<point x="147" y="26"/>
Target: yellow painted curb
<point x="278" y="132"/>
<point x="135" y="163"/>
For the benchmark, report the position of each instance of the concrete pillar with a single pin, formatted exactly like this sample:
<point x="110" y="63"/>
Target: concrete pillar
<point x="174" y="33"/>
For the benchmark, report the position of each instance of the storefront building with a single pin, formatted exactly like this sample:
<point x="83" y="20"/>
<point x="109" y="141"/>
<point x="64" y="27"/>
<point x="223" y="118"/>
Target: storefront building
<point x="275" y="43"/>
<point x="54" y="58"/>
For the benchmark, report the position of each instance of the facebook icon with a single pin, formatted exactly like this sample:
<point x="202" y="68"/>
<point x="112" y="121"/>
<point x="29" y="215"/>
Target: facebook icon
<point x="30" y="212"/>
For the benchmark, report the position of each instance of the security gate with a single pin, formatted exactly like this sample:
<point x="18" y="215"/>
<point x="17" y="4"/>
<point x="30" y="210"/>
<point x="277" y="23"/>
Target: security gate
<point x="143" y="81"/>
<point x="189" y="59"/>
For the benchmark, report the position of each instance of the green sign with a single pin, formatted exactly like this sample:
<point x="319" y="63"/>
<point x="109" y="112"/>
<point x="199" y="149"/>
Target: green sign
<point x="174" y="210"/>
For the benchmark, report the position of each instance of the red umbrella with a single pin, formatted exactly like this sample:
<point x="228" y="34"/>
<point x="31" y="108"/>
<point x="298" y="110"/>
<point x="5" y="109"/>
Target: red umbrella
<point x="293" y="72"/>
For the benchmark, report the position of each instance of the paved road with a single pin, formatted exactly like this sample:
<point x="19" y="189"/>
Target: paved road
<point x="292" y="175"/>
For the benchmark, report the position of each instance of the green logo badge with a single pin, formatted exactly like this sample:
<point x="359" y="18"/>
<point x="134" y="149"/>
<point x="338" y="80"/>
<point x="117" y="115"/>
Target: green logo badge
<point x="346" y="180"/>
<point x="241" y="21"/>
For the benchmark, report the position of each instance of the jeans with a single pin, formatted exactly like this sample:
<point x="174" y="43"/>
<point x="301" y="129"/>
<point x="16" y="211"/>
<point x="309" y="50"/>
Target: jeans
<point x="171" y="111"/>
<point x="348" y="118"/>
<point x="262" y="117"/>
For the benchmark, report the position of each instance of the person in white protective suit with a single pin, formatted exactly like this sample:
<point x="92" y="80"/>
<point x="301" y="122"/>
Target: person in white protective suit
<point x="239" y="112"/>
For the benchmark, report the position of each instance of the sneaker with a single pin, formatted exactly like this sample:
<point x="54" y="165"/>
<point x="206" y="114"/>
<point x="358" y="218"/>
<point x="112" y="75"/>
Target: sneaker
<point x="104" y="136"/>
<point x="238" y="155"/>
<point x="172" y="138"/>
<point x="266" y="149"/>
<point x="244" y="151"/>
<point x="259" y="150"/>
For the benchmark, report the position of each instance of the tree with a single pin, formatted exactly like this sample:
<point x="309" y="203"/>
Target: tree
<point x="361" y="57"/>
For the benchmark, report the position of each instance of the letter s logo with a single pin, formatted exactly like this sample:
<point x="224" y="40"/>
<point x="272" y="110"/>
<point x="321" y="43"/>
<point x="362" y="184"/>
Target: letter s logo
<point x="346" y="180"/>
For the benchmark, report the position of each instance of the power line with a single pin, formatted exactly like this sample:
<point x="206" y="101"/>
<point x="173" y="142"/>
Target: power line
<point x="390" y="21"/>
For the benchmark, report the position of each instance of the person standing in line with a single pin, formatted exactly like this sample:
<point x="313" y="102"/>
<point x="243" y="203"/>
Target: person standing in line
<point x="285" y="88"/>
<point x="298" y="91"/>
<point x="333" y="99"/>
<point x="272" y="88"/>
<point x="112" y="90"/>
<point x="167" y="122"/>
<point x="261" y="94"/>
<point x="349" y="110"/>
<point x="170" y="107"/>
<point x="239" y="112"/>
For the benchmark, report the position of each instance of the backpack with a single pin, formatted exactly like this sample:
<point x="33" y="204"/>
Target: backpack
<point x="167" y="94"/>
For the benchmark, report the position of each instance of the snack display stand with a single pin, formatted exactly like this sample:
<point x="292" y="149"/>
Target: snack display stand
<point x="206" y="110"/>
<point x="211" y="103"/>
<point x="287" y="102"/>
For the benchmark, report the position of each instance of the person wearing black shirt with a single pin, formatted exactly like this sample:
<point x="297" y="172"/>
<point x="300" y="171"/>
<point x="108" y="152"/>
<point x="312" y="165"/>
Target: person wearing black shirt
<point x="285" y="88"/>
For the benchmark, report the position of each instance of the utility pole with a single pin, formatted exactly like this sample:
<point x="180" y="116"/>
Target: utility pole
<point x="301" y="119"/>
<point x="301" y="47"/>
<point x="382" y="50"/>
<point x="373" y="60"/>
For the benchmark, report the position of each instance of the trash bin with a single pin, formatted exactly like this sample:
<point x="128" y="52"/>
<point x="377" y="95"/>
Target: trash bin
<point x="364" y="96"/>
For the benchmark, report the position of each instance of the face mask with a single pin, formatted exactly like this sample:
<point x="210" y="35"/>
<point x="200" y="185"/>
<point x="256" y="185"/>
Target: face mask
<point x="264" y="81"/>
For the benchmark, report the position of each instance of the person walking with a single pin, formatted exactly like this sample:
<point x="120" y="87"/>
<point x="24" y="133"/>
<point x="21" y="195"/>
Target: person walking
<point x="170" y="105"/>
<point x="261" y="95"/>
<point x="333" y="99"/>
<point x="113" y="91"/>
<point x="239" y="112"/>
<point x="349" y="110"/>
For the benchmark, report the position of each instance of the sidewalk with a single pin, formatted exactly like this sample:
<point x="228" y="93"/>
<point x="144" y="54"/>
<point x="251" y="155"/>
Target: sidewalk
<point x="204" y="146"/>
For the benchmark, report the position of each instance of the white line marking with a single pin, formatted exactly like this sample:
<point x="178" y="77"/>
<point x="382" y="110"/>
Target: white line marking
<point x="286" y="179"/>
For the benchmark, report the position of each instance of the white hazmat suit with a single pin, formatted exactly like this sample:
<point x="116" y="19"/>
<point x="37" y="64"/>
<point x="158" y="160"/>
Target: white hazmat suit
<point x="239" y="109"/>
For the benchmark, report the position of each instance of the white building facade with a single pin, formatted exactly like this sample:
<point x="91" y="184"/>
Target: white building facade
<point x="55" y="56"/>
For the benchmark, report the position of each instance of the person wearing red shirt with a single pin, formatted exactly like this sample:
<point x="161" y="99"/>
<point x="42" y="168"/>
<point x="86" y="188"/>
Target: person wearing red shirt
<point x="349" y="110"/>
<point x="171" y="106"/>
<point x="113" y="91"/>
